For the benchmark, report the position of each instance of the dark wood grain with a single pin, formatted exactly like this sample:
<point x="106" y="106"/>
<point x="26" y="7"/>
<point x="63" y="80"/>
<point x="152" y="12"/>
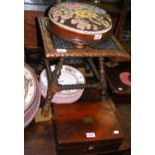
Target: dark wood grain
<point x="39" y="140"/>
<point x="30" y="28"/>
<point x="126" y="7"/>
<point x="73" y="121"/>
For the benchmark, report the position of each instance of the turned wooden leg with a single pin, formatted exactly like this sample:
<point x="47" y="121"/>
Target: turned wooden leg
<point x="102" y="80"/>
<point x="58" y="67"/>
<point x="46" y="107"/>
<point x="53" y="86"/>
<point x="45" y="110"/>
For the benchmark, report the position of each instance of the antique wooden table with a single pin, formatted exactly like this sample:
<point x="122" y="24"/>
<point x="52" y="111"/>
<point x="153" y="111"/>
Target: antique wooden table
<point x="56" y="48"/>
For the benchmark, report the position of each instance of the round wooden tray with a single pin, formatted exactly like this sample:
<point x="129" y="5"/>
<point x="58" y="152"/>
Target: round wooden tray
<point x="79" y="23"/>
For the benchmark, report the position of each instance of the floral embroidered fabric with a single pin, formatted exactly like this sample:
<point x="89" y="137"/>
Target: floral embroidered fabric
<point x="80" y="17"/>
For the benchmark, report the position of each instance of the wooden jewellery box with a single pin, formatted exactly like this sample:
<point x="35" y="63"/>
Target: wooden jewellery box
<point x="86" y="128"/>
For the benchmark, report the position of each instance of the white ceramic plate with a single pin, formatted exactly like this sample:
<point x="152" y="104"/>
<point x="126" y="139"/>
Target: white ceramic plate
<point x="58" y="95"/>
<point x="29" y="86"/>
<point x="61" y="99"/>
<point x="69" y="75"/>
<point x="30" y="113"/>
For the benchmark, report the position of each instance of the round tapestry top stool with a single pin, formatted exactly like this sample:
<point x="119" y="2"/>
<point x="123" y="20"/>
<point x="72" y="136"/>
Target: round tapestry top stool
<point x="79" y="23"/>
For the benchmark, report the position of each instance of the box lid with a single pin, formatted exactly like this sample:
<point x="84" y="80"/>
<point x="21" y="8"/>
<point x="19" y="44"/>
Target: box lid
<point x="87" y="122"/>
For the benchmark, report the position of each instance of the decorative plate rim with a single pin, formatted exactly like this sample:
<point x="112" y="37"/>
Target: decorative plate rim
<point x="30" y="113"/>
<point x="35" y="86"/>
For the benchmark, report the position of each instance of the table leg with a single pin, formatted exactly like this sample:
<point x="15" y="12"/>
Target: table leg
<point x="45" y="110"/>
<point x="102" y="79"/>
<point x="53" y="86"/>
<point x="93" y="68"/>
